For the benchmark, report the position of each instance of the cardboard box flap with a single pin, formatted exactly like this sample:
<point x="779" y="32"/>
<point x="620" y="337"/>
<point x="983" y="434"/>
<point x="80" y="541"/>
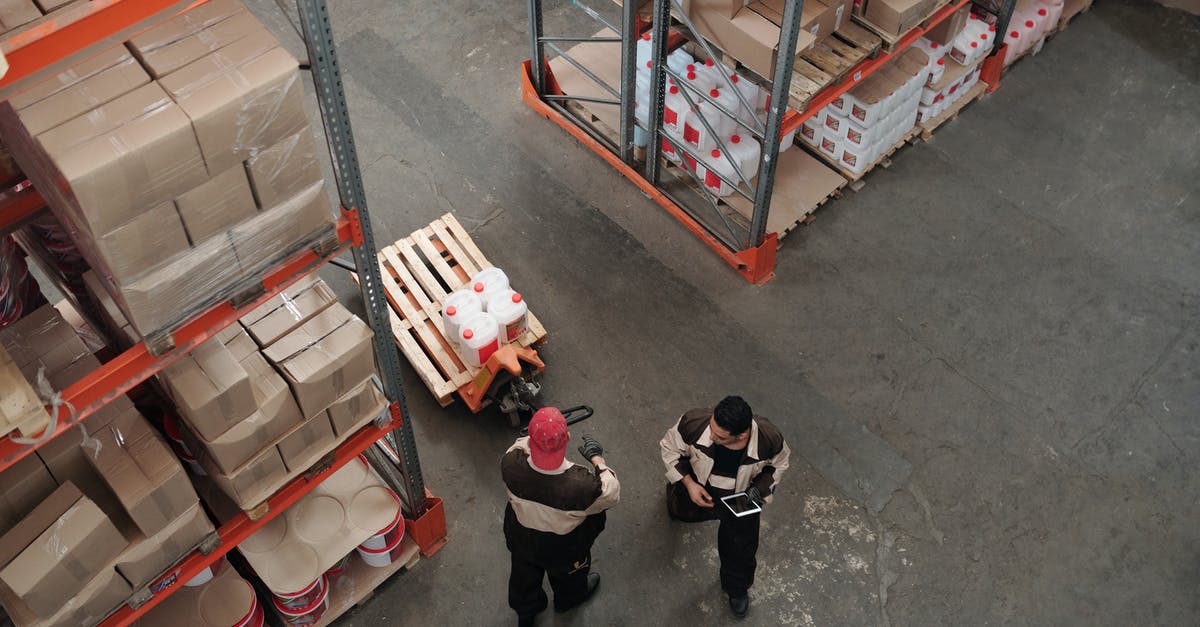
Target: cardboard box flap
<point x="284" y="170"/>
<point x="216" y="205"/>
<point x="203" y="72"/>
<point x="282" y="314"/>
<point x="104" y="119"/>
<point x="209" y="378"/>
<point x="84" y="96"/>
<point x="84" y="69"/>
<point x="25" y="532"/>
<point x="170" y="57"/>
<point x="309" y="335"/>
<point x="202" y="16"/>
<point x="149" y="556"/>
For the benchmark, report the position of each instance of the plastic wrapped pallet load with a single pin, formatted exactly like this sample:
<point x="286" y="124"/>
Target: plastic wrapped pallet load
<point x="182" y="172"/>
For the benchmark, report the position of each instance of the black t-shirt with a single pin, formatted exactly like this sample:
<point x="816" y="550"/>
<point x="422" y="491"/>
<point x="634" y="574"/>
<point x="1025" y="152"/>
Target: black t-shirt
<point x="726" y="461"/>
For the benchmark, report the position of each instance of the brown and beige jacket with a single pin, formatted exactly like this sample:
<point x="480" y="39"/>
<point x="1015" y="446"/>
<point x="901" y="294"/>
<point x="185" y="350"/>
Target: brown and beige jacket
<point x="687" y="448"/>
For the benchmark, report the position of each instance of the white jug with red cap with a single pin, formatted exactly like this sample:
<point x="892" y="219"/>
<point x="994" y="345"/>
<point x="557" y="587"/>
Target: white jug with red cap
<point x="478" y="339"/>
<point x="488" y="282"/>
<point x="457" y="307"/>
<point x="713" y="74"/>
<point x="717" y="163"/>
<point x="511" y="312"/>
<point x="746" y="152"/>
<point x="678" y="60"/>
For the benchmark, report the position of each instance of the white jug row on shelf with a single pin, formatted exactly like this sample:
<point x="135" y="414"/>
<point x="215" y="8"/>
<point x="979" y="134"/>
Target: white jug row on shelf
<point x="483" y="315"/>
<point x="1029" y="27"/>
<point x="934" y="103"/>
<point x="976" y="40"/>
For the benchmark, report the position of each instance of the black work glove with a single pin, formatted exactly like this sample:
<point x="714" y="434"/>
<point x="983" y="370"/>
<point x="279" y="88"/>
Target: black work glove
<point x="590" y="448"/>
<point x="754" y="495"/>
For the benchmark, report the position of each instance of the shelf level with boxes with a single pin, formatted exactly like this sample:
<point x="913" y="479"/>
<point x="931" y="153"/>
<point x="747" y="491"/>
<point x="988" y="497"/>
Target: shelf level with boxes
<point x="166" y="76"/>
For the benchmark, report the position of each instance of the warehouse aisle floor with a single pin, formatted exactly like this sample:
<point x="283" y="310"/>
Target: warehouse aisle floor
<point x="985" y="362"/>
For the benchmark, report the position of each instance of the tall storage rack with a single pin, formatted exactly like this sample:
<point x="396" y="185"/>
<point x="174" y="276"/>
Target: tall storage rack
<point x="395" y="457"/>
<point x="748" y="247"/>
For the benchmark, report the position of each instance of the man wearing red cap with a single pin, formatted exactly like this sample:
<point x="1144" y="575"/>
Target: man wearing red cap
<point x="556" y="509"/>
<point x="713" y="453"/>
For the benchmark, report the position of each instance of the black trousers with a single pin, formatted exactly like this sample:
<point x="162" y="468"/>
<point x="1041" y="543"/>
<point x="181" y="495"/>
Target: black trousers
<point x="737" y="538"/>
<point x="569" y="583"/>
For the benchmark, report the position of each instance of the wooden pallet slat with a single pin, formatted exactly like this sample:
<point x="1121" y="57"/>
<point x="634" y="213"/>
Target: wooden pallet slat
<point x="433" y="289"/>
<point x="859" y="36"/>
<point x="468" y="265"/>
<point x="435" y="258"/>
<point x="465" y="241"/>
<point x="829" y="61"/>
<point x="422" y="323"/>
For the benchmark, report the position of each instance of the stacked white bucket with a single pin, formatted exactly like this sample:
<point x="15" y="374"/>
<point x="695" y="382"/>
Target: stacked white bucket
<point x="935" y="97"/>
<point x="686" y="125"/>
<point x="484" y="315"/>
<point x="857" y="128"/>
<point x="1030" y="23"/>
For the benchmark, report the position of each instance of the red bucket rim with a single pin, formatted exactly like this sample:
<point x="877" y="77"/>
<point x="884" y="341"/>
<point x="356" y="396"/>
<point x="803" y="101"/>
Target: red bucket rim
<point x="306" y="590"/>
<point x="308" y="608"/>
<point x="246" y="620"/>
<point x="398" y="521"/>
<point x="172" y="429"/>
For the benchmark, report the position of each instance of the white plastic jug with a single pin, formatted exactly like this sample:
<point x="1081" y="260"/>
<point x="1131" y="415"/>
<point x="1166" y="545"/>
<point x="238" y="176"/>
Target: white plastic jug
<point x="749" y="92"/>
<point x="788" y="140"/>
<point x="511" y="313"/>
<point x="746" y="152"/>
<point x="1030" y="32"/>
<point x="478" y="338"/>
<point x="835" y="125"/>
<point x="717" y="163"/>
<point x="1054" y="10"/>
<point x="713" y="74"/>
<point x="678" y="60"/>
<point x="1041" y="15"/>
<point x="457" y="307"/>
<point x="487" y="282"/>
<point x="645" y="50"/>
<point x="694" y="131"/>
<point x="811" y="131"/>
<point x="674" y="105"/>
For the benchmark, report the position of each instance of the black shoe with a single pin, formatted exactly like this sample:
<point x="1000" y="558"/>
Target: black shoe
<point x="525" y="620"/>
<point x="593" y="582"/>
<point x="739" y="605"/>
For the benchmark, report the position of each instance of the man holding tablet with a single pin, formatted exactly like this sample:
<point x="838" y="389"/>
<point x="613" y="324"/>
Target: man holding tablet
<point x="723" y="464"/>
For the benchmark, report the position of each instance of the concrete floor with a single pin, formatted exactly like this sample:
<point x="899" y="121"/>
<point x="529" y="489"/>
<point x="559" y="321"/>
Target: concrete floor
<point x="985" y="362"/>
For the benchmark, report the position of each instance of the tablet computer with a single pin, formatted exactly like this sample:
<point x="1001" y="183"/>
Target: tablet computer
<point x="740" y="504"/>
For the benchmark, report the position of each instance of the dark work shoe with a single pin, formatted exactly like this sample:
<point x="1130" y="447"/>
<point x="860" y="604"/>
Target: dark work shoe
<point x="739" y="605"/>
<point x="525" y="620"/>
<point x="593" y="582"/>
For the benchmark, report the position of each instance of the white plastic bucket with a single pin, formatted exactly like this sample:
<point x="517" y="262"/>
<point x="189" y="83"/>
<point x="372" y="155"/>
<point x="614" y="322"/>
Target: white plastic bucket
<point x="309" y="614"/>
<point x="388" y="533"/>
<point x="381" y="558"/>
<point x="457" y="307"/>
<point x="487" y="282"/>
<point x="255" y="617"/>
<point x="302" y="598"/>
<point x="511" y="313"/>
<point x="478" y="338"/>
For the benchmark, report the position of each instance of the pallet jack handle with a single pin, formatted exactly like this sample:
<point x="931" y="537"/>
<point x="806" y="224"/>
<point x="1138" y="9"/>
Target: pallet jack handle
<point x="572" y="415"/>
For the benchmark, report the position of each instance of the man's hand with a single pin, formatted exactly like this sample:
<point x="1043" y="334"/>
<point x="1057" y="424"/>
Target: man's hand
<point x="591" y="448"/>
<point x="754" y="495"/>
<point x="697" y="493"/>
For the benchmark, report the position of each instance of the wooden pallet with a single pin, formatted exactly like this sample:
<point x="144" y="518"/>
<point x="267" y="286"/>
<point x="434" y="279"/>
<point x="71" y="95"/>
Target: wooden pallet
<point x="927" y="128"/>
<point x="890" y="41"/>
<point x="419" y="272"/>
<point x="829" y="61"/>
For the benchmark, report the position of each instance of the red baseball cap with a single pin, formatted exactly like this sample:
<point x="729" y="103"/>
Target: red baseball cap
<point x="548" y="438"/>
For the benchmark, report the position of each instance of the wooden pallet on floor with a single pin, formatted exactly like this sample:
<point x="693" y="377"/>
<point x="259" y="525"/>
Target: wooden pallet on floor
<point x="1071" y="10"/>
<point x="419" y="272"/>
<point x="891" y="41"/>
<point x="829" y="61"/>
<point x="927" y="128"/>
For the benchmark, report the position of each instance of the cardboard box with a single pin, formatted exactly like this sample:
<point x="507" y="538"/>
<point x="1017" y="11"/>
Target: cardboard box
<point x="238" y="104"/>
<point x="897" y="16"/>
<point x="111" y="318"/>
<point x="719" y="8"/>
<point x="816" y="17"/>
<point x="946" y="30"/>
<point x="177" y="43"/>
<point x="22" y="486"/>
<point x="284" y="170"/>
<point x="83" y="96"/>
<point x="49" y="5"/>
<point x="62" y="80"/>
<point x="149" y="556"/>
<point x="359" y="405"/>
<point x="286" y="311"/>
<point x="14" y="13"/>
<point x="249" y="485"/>
<point x="282" y="230"/>
<point x="103" y="594"/>
<point x="104" y="119"/>
<point x="174" y="291"/>
<point x="142" y="244"/>
<point x="235" y="338"/>
<point x="749" y="37"/>
<point x="217" y="204"/>
<point x="211" y="389"/>
<point x="143" y="472"/>
<point x="194" y="20"/>
<point x="277" y="414"/>
<point x="300" y="448"/>
<point x="20" y="406"/>
<point x="324" y="358"/>
<point x="53" y="553"/>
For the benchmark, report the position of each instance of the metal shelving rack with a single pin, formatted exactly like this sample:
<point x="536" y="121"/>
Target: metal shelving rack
<point x="389" y="442"/>
<point x="748" y="249"/>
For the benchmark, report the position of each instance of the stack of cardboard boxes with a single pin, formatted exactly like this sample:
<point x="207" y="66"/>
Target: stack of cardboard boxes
<point x="265" y="399"/>
<point x="182" y="162"/>
<point x="896" y="17"/>
<point x="28" y="13"/>
<point x="749" y="31"/>
<point x="95" y="513"/>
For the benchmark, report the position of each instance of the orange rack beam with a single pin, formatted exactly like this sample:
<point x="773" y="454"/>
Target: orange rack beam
<point x="241" y="527"/>
<point x="137" y="364"/>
